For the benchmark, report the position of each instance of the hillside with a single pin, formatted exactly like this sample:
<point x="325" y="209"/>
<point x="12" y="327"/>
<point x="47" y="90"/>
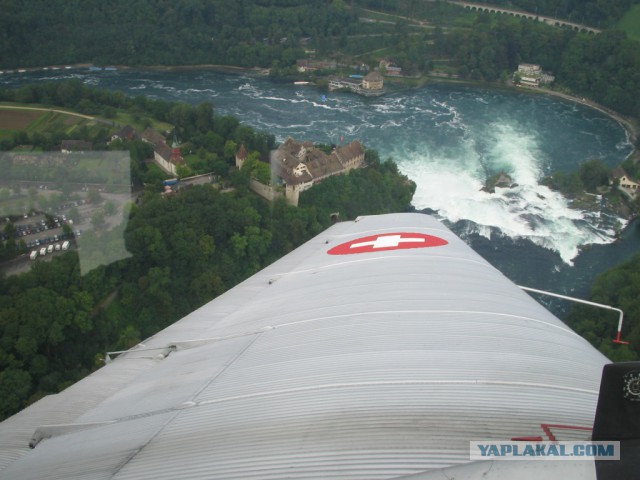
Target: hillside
<point x="244" y="33"/>
<point x="421" y="38"/>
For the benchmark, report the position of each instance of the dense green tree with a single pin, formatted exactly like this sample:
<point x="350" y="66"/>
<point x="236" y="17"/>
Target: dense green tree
<point x="15" y="388"/>
<point x="617" y="287"/>
<point x="605" y="68"/>
<point x="594" y="174"/>
<point x="246" y="33"/>
<point x="590" y="176"/>
<point x="377" y="189"/>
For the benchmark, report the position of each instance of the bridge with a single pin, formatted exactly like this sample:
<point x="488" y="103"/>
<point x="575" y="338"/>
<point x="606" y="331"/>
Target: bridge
<point x="556" y="22"/>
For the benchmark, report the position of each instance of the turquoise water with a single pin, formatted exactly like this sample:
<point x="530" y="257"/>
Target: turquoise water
<point x="449" y="139"/>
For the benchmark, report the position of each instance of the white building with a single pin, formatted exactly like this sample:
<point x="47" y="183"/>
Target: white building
<point x="532" y="75"/>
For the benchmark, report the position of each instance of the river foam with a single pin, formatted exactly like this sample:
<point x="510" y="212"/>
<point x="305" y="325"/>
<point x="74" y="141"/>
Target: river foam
<point x="452" y="183"/>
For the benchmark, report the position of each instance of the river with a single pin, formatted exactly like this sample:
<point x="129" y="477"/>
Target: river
<point x="449" y="139"/>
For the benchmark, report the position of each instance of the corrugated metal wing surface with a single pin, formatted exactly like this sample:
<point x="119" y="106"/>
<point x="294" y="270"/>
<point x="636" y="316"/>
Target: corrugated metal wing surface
<point x="372" y="365"/>
<point x="64" y="408"/>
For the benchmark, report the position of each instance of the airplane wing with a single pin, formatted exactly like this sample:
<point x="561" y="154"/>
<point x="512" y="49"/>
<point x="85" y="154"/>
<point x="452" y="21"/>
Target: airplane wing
<point x="378" y="349"/>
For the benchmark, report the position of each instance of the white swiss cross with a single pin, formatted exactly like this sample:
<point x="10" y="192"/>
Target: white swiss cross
<point x="387" y="241"/>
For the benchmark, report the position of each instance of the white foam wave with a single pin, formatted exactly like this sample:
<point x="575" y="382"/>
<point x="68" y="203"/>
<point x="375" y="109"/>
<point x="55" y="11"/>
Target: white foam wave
<point x="208" y="91"/>
<point x="58" y="77"/>
<point x="391" y="123"/>
<point x="166" y="88"/>
<point x="451" y="117"/>
<point x="390" y="106"/>
<point x="320" y="104"/>
<point x="451" y="182"/>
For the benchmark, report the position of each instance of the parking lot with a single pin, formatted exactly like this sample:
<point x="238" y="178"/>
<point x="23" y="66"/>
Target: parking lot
<point x="58" y="231"/>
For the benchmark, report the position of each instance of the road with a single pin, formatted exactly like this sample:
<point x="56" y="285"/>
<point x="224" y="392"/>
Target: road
<point x="16" y="107"/>
<point x="65" y="112"/>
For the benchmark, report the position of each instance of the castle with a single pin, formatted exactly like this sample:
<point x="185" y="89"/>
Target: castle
<point x="297" y="166"/>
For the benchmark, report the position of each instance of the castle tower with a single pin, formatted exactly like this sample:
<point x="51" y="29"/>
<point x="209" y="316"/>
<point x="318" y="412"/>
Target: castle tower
<point x="176" y="154"/>
<point x="241" y="156"/>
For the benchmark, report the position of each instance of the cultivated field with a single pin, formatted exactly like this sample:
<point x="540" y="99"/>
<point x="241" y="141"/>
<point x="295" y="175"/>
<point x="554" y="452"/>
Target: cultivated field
<point x="38" y="120"/>
<point x="17" y="119"/>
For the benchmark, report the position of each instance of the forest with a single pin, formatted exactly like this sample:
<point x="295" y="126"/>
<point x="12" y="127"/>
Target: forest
<point x="56" y="323"/>
<point x="418" y="36"/>
<point x="604" y="67"/>
<point x="235" y="32"/>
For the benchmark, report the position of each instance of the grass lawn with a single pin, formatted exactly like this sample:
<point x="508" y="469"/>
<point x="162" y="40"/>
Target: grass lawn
<point x="48" y="122"/>
<point x="138" y="122"/>
<point x="630" y="23"/>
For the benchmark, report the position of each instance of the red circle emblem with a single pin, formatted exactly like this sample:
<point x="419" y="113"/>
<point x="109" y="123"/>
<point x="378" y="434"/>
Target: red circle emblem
<point x="387" y="241"/>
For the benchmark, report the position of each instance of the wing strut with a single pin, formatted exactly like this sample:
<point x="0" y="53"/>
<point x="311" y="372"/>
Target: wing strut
<point x="586" y="302"/>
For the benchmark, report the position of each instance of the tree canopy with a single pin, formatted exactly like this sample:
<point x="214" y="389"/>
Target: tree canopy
<point x="597" y="13"/>
<point x="234" y="32"/>
<point x="618" y="287"/>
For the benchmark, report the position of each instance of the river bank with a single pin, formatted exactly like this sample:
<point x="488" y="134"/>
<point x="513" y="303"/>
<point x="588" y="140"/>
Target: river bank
<point x="629" y="124"/>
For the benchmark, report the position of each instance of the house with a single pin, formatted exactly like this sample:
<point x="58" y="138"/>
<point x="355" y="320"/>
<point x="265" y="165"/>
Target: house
<point x="166" y="157"/>
<point x="530" y="81"/>
<point x="297" y="166"/>
<point x="531" y="75"/>
<point x="390" y="68"/>
<point x="529" y="69"/>
<point x="125" y="134"/>
<point x="241" y="156"/>
<point x="151" y="136"/>
<point x="305" y="65"/>
<point x="373" y="81"/>
<point x="626" y="184"/>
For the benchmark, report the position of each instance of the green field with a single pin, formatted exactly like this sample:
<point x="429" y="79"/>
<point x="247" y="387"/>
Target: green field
<point x="31" y="120"/>
<point x="41" y="119"/>
<point x="630" y="23"/>
<point x="141" y="122"/>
